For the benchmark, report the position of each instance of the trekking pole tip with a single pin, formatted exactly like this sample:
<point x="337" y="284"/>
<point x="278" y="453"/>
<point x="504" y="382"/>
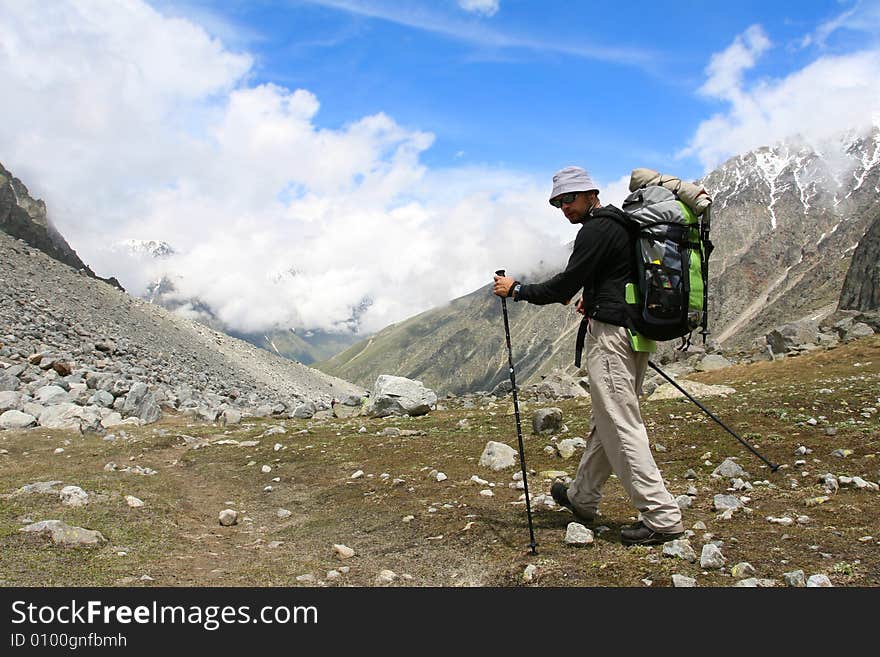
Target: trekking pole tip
<point x="774" y="467"/>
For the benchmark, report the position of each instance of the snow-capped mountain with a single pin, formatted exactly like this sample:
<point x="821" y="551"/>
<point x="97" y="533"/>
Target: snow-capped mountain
<point x="153" y="248"/>
<point x="785" y="222"/>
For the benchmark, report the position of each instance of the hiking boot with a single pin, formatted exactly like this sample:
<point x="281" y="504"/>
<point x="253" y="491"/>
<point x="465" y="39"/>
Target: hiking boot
<point x="559" y="493"/>
<point x="641" y="534"/>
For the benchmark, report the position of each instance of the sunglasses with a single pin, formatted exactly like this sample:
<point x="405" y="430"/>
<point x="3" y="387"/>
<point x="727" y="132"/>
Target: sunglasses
<point x="558" y="201"/>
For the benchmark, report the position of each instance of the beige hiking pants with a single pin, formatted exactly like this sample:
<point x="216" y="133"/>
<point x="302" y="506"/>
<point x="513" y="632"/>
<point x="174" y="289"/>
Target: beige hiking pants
<point x="618" y="439"/>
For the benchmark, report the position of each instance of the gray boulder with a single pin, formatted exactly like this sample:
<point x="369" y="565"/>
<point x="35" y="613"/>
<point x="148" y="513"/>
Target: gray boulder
<point x="790" y="336"/>
<point x="680" y="548"/>
<point x="559" y="385"/>
<point x="66" y="535"/>
<point x="101" y="398"/>
<point x="819" y="581"/>
<point x="729" y="468"/>
<point x="569" y="446"/>
<point x="230" y="416"/>
<point x="74" y="496"/>
<point x="725" y="502"/>
<point x="13" y="419"/>
<point x="38" y="488"/>
<point x="397" y="395"/>
<point x="683" y="581"/>
<point x="578" y="535"/>
<point x="498" y="456"/>
<point x="9" y="400"/>
<point x="858" y="330"/>
<point x="795" y="578"/>
<point x="51" y="395"/>
<point x="8" y="382"/>
<point x="712" y="362"/>
<point x="305" y="411"/>
<point x="62" y="416"/>
<point x="711" y="557"/>
<point x="547" y="419"/>
<point x="141" y="403"/>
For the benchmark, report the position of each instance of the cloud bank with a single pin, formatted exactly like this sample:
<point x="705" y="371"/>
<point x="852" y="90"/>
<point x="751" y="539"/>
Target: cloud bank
<point x="131" y="124"/>
<point x="832" y="94"/>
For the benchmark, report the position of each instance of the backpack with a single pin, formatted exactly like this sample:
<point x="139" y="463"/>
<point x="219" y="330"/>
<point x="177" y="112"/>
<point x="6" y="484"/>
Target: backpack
<point x="671" y="243"/>
<point x="668" y="220"/>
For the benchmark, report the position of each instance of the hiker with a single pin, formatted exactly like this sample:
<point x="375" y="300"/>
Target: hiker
<point x="602" y="264"/>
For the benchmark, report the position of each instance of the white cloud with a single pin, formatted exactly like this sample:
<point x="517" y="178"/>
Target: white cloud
<point x="726" y="68"/>
<point x="832" y="94"/>
<point x="131" y="124"/>
<point x="481" y="35"/>
<point x="484" y="7"/>
<point x="861" y="17"/>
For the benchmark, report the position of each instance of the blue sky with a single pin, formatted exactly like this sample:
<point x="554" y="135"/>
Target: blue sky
<point x="533" y="86"/>
<point x="309" y="161"/>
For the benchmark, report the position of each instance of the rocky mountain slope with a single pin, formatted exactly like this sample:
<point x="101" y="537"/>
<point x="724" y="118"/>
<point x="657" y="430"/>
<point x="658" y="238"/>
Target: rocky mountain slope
<point x="79" y="338"/>
<point x="25" y="218"/>
<point x="461" y="346"/>
<point x="861" y="289"/>
<point x="785" y="224"/>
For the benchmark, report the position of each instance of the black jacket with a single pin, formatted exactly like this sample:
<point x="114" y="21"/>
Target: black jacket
<point x="601" y="263"/>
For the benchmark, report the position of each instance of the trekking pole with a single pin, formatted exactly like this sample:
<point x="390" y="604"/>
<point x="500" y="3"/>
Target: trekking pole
<point x="522" y="456"/>
<point x="773" y="467"/>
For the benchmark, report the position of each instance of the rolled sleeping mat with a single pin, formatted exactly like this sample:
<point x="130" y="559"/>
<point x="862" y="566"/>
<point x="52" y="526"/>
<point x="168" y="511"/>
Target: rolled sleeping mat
<point x="696" y="198"/>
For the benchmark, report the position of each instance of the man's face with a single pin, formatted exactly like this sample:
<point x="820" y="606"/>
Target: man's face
<point x="577" y="210"/>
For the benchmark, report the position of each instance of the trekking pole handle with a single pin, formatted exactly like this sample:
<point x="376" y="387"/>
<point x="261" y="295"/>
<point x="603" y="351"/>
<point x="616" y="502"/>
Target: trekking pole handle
<point x="500" y="272"/>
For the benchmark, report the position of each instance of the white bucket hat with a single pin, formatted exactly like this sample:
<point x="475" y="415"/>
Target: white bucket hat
<point x="572" y="179"/>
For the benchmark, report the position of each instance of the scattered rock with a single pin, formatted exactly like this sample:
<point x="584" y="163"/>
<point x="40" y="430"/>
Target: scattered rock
<point x="817" y="581"/>
<point x="66" y="535"/>
<point x="547" y="419"/>
<point x="694" y="388"/>
<point x="38" y="488"/>
<point x="14" y="419"/>
<point x="725" y="502"/>
<point x="680" y="548"/>
<point x="711" y="557"/>
<point x="729" y="469"/>
<point x="683" y="582"/>
<point x="343" y="551"/>
<point x="568" y="447"/>
<point x="742" y="569"/>
<point x="529" y="574"/>
<point x="385" y="577"/>
<point x="397" y="395"/>
<point x="133" y="501"/>
<point x="228" y="517"/>
<point x="795" y="578"/>
<point x="74" y="496"/>
<point x="712" y="362"/>
<point x="498" y="456"/>
<point x="684" y="501"/>
<point x="578" y="535"/>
